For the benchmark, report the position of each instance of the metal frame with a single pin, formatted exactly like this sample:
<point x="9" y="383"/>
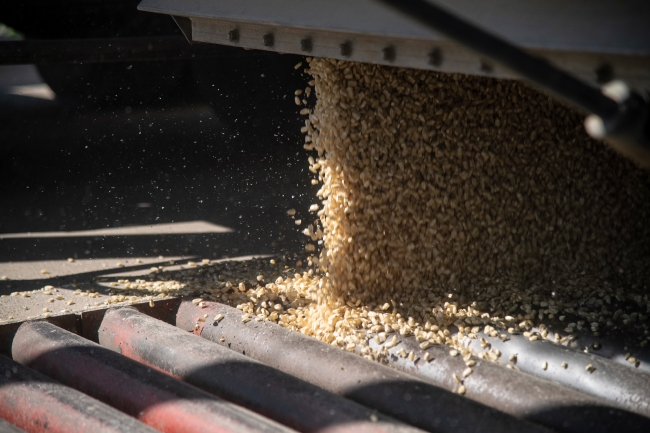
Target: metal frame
<point x="583" y="37"/>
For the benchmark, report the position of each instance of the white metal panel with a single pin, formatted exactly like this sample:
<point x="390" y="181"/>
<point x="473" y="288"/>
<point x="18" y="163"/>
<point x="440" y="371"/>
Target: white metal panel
<point x="612" y="26"/>
<point x="578" y="35"/>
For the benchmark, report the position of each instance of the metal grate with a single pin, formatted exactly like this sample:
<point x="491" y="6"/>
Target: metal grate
<point x="91" y="371"/>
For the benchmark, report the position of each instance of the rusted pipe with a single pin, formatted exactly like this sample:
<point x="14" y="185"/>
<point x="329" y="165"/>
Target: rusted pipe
<point x="156" y="399"/>
<point x="236" y="377"/>
<point x="371" y="384"/>
<point x="37" y="404"/>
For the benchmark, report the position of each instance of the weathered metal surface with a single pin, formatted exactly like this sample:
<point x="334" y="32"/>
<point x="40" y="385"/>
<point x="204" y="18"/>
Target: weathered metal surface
<point x="60" y="300"/>
<point x="240" y="379"/>
<point x="610" y="381"/>
<point x="511" y="391"/>
<point x="36" y="403"/>
<point x="580" y="36"/>
<point x="382" y="388"/>
<point x="86" y="322"/>
<point x="616" y="346"/>
<point x="69" y="322"/>
<point x="164" y="310"/>
<point x="156" y="399"/>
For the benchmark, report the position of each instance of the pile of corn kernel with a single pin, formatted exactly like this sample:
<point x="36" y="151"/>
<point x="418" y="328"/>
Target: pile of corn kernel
<point x="449" y="202"/>
<point x="273" y="290"/>
<point x="450" y="206"/>
<point x="467" y="201"/>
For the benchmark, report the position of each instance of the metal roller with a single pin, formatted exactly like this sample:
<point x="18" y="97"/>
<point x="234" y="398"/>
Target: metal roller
<point x="36" y="403"/>
<point x="396" y="394"/>
<point x="154" y="398"/>
<point x="238" y="378"/>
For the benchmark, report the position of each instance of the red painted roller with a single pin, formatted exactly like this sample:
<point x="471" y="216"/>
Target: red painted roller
<point x="156" y="399"/>
<point x="36" y="403"/>
<point x="238" y="378"/>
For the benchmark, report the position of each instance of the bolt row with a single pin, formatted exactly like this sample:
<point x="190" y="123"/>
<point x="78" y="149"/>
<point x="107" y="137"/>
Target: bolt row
<point x="306" y="45"/>
<point x="603" y="72"/>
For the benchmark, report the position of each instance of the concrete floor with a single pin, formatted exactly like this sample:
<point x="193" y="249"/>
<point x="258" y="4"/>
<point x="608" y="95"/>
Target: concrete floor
<point x="87" y="191"/>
